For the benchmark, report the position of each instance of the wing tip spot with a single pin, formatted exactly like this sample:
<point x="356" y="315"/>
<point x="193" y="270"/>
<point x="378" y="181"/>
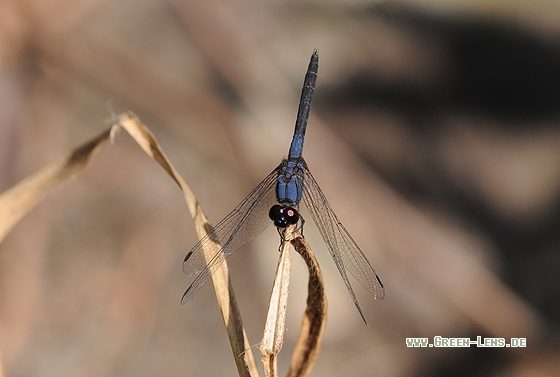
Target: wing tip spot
<point x="189" y="254"/>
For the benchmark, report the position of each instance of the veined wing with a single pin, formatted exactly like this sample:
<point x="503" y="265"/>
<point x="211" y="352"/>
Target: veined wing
<point x="243" y="224"/>
<point x="345" y="252"/>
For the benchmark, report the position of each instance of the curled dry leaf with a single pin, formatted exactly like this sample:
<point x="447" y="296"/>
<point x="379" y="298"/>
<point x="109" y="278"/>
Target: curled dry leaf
<point x="315" y="318"/>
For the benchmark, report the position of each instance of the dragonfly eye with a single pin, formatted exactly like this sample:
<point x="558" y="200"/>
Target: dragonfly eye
<point x="275" y="212"/>
<point x="283" y="216"/>
<point x="291" y="215"/>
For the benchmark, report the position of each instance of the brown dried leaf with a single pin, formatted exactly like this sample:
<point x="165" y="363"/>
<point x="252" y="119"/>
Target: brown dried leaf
<point x="315" y="318"/>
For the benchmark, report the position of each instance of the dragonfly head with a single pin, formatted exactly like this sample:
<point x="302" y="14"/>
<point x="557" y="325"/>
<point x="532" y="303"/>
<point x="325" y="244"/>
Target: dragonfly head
<point x="283" y="215"/>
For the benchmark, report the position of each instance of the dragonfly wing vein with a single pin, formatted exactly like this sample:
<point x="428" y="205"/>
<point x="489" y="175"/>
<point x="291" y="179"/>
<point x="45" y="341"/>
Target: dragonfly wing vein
<point x="244" y="223"/>
<point x="342" y="247"/>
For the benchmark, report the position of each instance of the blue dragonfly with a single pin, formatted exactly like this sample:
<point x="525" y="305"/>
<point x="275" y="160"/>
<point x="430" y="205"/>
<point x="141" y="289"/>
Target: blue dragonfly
<point x="276" y="199"/>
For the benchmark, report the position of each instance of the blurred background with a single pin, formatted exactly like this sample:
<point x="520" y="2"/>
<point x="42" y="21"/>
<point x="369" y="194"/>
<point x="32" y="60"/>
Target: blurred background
<point x="434" y="134"/>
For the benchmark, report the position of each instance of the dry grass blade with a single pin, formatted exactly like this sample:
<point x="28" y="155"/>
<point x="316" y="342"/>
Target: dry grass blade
<point x="273" y="337"/>
<point x="20" y="199"/>
<point x="243" y="356"/>
<point x="315" y="318"/>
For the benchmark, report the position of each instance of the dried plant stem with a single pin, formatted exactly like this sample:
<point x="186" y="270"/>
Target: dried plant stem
<point x="273" y="337"/>
<point x="315" y="318"/>
<point x="243" y="356"/>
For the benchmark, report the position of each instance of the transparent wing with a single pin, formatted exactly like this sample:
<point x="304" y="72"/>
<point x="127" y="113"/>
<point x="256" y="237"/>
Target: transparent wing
<point x="345" y="252"/>
<point x="243" y="224"/>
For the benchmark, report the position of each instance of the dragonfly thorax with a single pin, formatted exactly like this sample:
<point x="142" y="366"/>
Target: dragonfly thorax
<point x="283" y="215"/>
<point x="289" y="185"/>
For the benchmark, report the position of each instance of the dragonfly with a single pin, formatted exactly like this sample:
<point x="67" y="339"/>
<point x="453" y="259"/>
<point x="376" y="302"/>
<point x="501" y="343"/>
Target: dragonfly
<point x="276" y="200"/>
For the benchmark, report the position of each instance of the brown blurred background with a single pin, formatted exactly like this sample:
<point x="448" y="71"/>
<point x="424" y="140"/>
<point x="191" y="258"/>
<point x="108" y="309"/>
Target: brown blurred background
<point x="435" y="135"/>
